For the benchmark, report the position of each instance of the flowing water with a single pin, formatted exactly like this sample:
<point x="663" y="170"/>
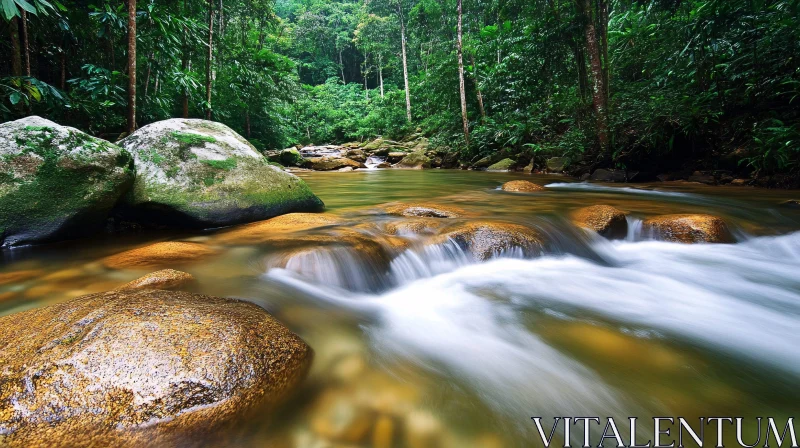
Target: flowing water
<point x="421" y="343"/>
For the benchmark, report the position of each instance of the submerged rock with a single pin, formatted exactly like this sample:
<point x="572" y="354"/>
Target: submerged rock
<point x="603" y="219"/>
<point x="263" y="231"/>
<point x="139" y="367"/>
<point x="414" y="160"/>
<point x="503" y="165"/>
<point x="163" y="279"/>
<point x="688" y="229"/>
<point x="485" y="239"/>
<point x="159" y="254"/>
<point x="56" y="182"/>
<point x="522" y="186"/>
<point x="425" y="210"/>
<point x="200" y="173"/>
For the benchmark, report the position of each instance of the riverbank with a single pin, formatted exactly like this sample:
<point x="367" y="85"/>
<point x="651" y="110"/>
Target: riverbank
<point x="416" y="152"/>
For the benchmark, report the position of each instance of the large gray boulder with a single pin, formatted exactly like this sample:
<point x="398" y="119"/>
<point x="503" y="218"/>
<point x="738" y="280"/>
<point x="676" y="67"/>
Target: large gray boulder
<point x="140" y="368"/>
<point x="56" y="182"/>
<point x="200" y="173"/>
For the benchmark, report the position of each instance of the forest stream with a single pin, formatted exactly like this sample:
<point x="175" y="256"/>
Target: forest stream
<point x="420" y="343"/>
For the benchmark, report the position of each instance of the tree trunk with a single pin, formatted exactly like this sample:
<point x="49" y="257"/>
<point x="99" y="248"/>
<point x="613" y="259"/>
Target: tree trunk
<point x="247" y="123"/>
<point x="26" y="42"/>
<point x="380" y="72"/>
<point x="16" y="48"/>
<point x="462" y="92"/>
<point x="478" y="89"/>
<point x="209" y="57"/>
<point x="131" y="66"/>
<point x="185" y="64"/>
<point x="63" y="81"/>
<point x="602" y="15"/>
<point x="405" y="62"/>
<point x="599" y="98"/>
<point x="341" y="66"/>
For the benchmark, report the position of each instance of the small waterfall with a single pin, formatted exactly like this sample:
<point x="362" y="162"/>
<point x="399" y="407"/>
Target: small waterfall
<point x="634" y="229"/>
<point x="374" y="161"/>
<point x="341" y="267"/>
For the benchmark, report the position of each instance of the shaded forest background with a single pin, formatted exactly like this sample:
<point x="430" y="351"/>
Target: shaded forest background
<point x="652" y="84"/>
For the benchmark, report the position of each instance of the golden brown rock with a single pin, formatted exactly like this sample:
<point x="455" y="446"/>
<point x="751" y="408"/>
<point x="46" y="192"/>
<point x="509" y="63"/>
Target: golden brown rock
<point x="383" y="433"/>
<point x="603" y="219"/>
<point x="158" y="254"/>
<point x="522" y="186"/>
<point x="134" y="367"/>
<point x="412" y="226"/>
<point x="19" y="276"/>
<point x="263" y="231"/>
<point x="485" y="239"/>
<point x="425" y="210"/>
<point x="688" y="229"/>
<point x="163" y="279"/>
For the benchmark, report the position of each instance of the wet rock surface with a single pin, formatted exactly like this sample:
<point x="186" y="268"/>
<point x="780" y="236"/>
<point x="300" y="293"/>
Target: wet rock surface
<point x="425" y="210"/>
<point x="522" y="186"/>
<point x="105" y="368"/>
<point x="163" y="279"/>
<point x="608" y="221"/>
<point x="158" y="254"/>
<point x="689" y="228"/>
<point x="486" y="239"/>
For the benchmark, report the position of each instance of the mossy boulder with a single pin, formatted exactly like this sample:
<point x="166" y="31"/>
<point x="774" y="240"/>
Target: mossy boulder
<point x="503" y="165"/>
<point x="415" y="160"/>
<point x="199" y="173"/>
<point x="56" y="182"/>
<point x="140" y="367"/>
<point x="291" y="157"/>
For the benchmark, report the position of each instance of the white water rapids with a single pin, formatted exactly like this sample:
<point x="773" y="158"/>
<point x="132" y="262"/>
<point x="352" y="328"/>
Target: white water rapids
<point x="464" y="319"/>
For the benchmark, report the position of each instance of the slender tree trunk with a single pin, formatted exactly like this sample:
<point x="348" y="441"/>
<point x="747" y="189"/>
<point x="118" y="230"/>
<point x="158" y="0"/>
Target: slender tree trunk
<point x="185" y="64"/>
<point x="16" y="48"/>
<point x="209" y="57"/>
<point x="341" y="66"/>
<point x="461" y="90"/>
<point x="63" y="61"/>
<point x="131" y="66"/>
<point x="405" y="62"/>
<point x="27" y="45"/>
<point x="599" y="99"/>
<point x="380" y="72"/>
<point x="580" y="62"/>
<point x="602" y="6"/>
<point x="478" y="89"/>
<point x="147" y="75"/>
<point x="247" y="122"/>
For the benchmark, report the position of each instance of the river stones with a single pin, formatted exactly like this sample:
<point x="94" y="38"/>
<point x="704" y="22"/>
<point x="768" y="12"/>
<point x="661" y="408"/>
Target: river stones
<point x="423" y="210"/>
<point x="163" y="279"/>
<point x="486" y="239"/>
<point x="291" y="157"/>
<point x="158" y="254"/>
<point x="603" y="219"/>
<point x="107" y="368"/>
<point x="198" y="173"/>
<point x="56" y="182"/>
<point x="356" y="155"/>
<point x="412" y="226"/>
<point x="521" y="186"/>
<point x="333" y="163"/>
<point x="688" y="229"/>
<point x="263" y="231"/>
<point x="415" y="160"/>
<point x="503" y="165"/>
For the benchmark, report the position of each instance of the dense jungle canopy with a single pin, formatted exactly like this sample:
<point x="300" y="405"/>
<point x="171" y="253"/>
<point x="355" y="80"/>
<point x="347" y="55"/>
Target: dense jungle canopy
<point x="625" y="84"/>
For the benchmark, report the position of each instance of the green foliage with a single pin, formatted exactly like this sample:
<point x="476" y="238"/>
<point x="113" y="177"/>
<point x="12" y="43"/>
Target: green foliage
<point x="689" y="79"/>
<point x="190" y="139"/>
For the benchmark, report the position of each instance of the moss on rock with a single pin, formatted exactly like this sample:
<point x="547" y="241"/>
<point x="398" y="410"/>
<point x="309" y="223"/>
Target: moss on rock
<point x="57" y="182"/>
<point x="503" y="165"/>
<point x="199" y="173"/>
